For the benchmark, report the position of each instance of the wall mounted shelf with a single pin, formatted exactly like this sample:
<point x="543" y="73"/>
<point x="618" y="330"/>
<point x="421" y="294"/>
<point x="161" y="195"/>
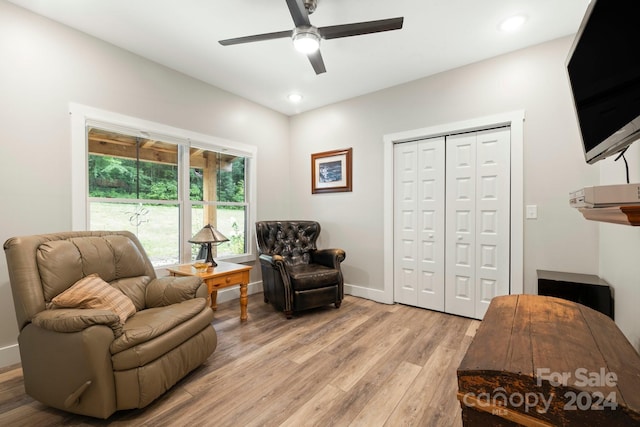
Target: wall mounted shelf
<point x="626" y="215"/>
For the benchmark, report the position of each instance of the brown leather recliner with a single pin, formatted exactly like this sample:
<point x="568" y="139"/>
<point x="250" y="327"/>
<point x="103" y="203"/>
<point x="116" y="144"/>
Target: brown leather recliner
<point x="87" y="360"/>
<point x="295" y="274"/>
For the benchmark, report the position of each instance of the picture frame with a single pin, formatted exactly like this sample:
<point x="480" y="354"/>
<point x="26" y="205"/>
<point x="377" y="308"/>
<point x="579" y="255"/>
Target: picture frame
<point x="331" y="171"/>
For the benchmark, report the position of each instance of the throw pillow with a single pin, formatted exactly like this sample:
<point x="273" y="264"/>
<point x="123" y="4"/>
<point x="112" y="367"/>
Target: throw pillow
<point x="93" y="292"/>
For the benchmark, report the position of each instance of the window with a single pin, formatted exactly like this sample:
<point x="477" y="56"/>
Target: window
<point x="217" y="194"/>
<point x="163" y="187"/>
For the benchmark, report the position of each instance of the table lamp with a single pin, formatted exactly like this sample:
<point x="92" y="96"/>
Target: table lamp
<point x="208" y="236"/>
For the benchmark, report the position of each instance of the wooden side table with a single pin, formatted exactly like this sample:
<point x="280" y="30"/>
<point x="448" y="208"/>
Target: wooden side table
<point x="224" y="275"/>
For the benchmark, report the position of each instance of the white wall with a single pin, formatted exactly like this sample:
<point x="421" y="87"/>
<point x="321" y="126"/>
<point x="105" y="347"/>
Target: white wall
<point x="620" y="250"/>
<point x="532" y="80"/>
<point x="44" y="67"/>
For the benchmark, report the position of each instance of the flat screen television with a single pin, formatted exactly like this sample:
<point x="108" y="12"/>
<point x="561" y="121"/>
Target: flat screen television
<point x="604" y="74"/>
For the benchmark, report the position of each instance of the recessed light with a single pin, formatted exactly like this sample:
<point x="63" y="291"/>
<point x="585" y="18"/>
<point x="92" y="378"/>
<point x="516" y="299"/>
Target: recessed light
<point x="513" y="23"/>
<point x="295" y="97"/>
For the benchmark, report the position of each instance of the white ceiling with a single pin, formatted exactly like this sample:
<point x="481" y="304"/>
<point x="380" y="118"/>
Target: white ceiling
<point x="438" y="35"/>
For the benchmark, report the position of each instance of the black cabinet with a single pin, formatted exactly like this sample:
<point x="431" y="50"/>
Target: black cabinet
<point x="586" y="289"/>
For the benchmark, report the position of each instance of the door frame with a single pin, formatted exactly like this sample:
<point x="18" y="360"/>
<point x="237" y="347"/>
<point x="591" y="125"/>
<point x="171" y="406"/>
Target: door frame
<point x="513" y="119"/>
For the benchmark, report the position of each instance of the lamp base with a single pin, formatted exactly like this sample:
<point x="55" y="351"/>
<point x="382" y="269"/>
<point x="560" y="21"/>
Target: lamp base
<point x="209" y="258"/>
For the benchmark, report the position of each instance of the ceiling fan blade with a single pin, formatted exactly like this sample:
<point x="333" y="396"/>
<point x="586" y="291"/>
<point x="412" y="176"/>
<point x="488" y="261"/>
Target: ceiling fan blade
<point x="316" y="61"/>
<point x="298" y="13"/>
<point x="256" y="38"/>
<point x="359" y="28"/>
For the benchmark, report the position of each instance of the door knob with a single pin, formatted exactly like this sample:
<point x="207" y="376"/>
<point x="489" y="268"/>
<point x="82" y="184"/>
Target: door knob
<point x="459" y="237"/>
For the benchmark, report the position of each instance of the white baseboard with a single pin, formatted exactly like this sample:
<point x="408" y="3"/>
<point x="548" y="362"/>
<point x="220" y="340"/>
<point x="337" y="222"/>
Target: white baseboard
<point x="376" y="295"/>
<point x="9" y="355"/>
<point x="234" y="293"/>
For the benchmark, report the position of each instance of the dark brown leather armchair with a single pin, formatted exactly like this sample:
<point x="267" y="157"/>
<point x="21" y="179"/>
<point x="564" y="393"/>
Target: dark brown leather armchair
<point x="295" y="274"/>
<point x="99" y="332"/>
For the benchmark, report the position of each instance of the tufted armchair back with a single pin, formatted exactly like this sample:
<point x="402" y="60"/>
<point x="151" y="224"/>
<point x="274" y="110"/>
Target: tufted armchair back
<point x="293" y="240"/>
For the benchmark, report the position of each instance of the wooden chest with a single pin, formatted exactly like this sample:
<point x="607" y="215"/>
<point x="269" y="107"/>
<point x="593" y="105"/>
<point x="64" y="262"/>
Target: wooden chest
<point x="544" y="361"/>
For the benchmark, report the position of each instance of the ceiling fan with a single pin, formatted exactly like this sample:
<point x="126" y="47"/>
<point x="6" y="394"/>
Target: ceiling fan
<point x="306" y="37"/>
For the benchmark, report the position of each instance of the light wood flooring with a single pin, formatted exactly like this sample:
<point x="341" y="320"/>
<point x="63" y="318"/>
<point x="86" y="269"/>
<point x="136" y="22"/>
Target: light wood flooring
<point x="365" y="364"/>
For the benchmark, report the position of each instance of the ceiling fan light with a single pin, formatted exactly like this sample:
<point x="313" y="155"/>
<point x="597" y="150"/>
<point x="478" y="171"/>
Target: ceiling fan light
<point x="306" y="40"/>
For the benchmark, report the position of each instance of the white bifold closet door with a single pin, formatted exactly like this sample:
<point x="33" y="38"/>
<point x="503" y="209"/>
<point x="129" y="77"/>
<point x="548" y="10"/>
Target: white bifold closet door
<point x="419" y="223"/>
<point x="478" y="220"/>
<point x="452" y="221"/>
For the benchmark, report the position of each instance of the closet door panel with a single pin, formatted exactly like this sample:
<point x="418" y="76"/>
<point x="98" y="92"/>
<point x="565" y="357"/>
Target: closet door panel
<point x="419" y="223"/>
<point x="493" y="211"/>
<point x="405" y="251"/>
<point x="460" y="291"/>
<point x="431" y="203"/>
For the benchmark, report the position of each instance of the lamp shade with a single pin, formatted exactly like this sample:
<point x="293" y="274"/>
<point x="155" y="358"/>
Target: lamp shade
<point x="206" y="237"/>
<point x="208" y="234"/>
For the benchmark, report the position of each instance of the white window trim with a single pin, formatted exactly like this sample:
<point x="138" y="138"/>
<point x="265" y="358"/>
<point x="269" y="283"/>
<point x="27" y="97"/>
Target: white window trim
<point x="83" y="116"/>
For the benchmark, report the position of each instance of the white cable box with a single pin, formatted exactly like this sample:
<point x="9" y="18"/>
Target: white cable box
<point x="605" y="195"/>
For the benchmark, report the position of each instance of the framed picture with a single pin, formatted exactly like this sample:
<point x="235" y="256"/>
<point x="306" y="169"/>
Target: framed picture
<point x="331" y="171"/>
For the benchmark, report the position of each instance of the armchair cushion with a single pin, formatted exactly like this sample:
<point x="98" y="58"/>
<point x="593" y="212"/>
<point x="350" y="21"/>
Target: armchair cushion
<point x="149" y="335"/>
<point x="154" y="322"/>
<point x="312" y="276"/>
<point x="93" y="292"/>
